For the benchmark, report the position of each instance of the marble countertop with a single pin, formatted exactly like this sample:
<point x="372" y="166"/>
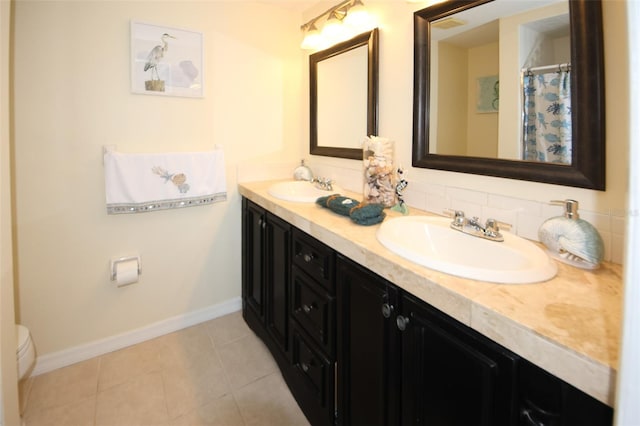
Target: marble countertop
<point x="569" y="326"/>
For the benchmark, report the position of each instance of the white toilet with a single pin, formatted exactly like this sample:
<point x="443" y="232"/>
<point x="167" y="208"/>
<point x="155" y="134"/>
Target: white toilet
<point x="25" y="353"/>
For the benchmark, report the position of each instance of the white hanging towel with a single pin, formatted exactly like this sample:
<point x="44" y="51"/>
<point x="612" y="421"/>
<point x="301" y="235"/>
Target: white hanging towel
<point x="137" y="183"/>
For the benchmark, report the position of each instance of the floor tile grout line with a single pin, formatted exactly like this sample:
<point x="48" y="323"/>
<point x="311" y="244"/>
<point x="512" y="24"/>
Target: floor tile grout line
<point x="224" y="371"/>
<point x="95" y="405"/>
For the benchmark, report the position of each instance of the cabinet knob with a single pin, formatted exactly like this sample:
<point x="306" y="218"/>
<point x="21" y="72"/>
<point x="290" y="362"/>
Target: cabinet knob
<point x="307" y="308"/>
<point x="307" y="257"/>
<point x="402" y="322"/>
<point x="305" y="367"/>
<point x="528" y="419"/>
<point x="387" y="310"/>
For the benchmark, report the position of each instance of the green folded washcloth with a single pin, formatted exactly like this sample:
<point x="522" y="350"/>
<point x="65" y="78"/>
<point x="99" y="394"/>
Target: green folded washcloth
<point x="362" y="214"/>
<point x="368" y="214"/>
<point x="337" y="203"/>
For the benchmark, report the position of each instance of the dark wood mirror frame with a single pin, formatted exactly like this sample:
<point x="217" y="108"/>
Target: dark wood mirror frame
<point x="587" y="169"/>
<point x="369" y="39"/>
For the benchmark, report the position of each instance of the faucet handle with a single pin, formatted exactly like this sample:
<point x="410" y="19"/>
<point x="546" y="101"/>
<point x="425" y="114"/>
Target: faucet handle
<point x="457" y="215"/>
<point x="495" y="225"/>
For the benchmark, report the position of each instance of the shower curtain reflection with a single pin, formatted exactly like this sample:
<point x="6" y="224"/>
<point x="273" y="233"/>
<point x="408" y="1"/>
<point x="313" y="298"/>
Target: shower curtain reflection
<point x="547" y="115"/>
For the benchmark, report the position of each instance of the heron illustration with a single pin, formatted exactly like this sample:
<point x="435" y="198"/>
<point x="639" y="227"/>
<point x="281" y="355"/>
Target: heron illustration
<point x="156" y="54"/>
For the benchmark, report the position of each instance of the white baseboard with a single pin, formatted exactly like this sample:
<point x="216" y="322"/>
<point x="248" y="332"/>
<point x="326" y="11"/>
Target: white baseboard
<point x="86" y="351"/>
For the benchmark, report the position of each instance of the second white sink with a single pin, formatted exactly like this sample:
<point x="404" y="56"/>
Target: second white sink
<point x="429" y="241"/>
<point x="300" y="191"/>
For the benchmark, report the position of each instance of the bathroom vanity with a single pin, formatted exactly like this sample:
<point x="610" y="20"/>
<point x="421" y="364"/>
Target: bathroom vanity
<point x="363" y="336"/>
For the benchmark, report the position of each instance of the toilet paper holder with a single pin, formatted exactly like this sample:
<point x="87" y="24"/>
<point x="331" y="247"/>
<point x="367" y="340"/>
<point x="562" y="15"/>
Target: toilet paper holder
<point x="115" y="262"/>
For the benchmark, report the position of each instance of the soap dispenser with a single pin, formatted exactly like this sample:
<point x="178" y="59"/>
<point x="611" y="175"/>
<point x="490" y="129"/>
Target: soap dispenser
<point x="570" y="239"/>
<point x="302" y="172"/>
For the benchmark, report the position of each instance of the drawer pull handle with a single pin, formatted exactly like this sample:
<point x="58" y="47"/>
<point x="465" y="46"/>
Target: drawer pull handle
<point x="305" y="367"/>
<point x="528" y="419"/>
<point x="308" y="308"/>
<point x="387" y="310"/>
<point x="402" y="322"/>
<point x="307" y="257"/>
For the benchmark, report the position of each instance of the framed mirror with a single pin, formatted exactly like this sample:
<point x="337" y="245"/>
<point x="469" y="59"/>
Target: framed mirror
<point x="343" y="84"/>
<point x="500" y="89"/>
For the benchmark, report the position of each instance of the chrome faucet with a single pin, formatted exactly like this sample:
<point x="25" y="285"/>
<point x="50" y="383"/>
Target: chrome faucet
<point x="325" y="184"/>
<point x="490" y="230"/>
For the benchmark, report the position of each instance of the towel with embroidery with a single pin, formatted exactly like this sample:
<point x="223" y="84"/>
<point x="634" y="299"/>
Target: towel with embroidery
<point x="136" y="183"/>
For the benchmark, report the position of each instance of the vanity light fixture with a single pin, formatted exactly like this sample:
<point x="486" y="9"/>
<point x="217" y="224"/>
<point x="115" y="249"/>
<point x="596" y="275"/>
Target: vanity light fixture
<point x="344" y="21"/>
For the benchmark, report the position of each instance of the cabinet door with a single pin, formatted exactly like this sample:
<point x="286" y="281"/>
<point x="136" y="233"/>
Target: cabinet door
<point x="253" y="224"/>
<point x="368" y="347"/>
<point x="277" y="269"/>
<point x="545" y="400"/>
<point x="452" y="376"/>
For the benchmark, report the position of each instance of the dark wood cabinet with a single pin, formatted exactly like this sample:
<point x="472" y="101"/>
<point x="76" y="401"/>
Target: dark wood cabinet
<point x="368" y="347"/>
<point x="253" y="224"/>
<point x="452" y="375"/>
<point x="357" y="350"/>
<point x="400" y="361"/>
<point x="266" y="260"/>
<point x="312" y="314"/>
<point x="545" y="400"/>
<point x="277" y="272"/>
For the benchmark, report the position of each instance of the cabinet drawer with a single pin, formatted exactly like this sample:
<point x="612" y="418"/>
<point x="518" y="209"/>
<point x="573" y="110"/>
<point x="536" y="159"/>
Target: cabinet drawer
<point x="314" y="378"/>
<point x="314" y="258"/>
<point x="313" y="309"/>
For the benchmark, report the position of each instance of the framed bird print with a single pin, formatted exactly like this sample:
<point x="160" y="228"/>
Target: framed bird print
<point x="166" y="61"/>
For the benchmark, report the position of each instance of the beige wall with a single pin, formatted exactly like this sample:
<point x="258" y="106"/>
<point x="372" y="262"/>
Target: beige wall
<point x="9" y="414"/>
<point x="450" y="135"/>
<point x="482" y="133"/>
<point x="73" y="96"/>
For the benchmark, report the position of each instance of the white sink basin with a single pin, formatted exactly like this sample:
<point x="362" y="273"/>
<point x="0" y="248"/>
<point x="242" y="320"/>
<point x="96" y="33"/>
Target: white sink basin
<point x="299" y="191"/>
<point x="429" y="241"/>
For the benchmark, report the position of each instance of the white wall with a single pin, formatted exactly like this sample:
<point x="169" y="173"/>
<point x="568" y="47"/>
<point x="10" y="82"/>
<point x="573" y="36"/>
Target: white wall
<point x="520" y="203"/>
<point x="628" y="389"/>
<point x="72" y="96"/>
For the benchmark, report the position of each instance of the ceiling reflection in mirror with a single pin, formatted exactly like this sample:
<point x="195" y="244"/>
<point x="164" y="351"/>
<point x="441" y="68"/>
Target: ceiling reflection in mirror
<point x="501" y="86"/>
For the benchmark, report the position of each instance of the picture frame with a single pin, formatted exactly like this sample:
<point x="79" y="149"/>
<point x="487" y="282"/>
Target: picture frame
<point x="488" y="94"/>
<point x="166" y="61"/>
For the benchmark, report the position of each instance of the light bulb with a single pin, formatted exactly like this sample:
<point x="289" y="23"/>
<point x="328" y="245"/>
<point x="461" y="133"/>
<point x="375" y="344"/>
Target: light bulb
<point x="359" y="18"/>
<point x="333" y="30"/>
<point x="312" y="39"/>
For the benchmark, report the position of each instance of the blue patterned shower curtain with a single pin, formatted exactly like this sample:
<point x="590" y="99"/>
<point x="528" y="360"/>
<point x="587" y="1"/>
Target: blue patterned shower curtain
<point x="547" y="117"/>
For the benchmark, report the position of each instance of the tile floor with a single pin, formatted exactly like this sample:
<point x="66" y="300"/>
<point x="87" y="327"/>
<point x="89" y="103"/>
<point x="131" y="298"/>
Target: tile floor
<point x="215" y="373"/>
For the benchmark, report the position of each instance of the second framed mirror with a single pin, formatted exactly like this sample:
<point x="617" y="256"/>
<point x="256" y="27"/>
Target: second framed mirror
<point x="343" y="84"/>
